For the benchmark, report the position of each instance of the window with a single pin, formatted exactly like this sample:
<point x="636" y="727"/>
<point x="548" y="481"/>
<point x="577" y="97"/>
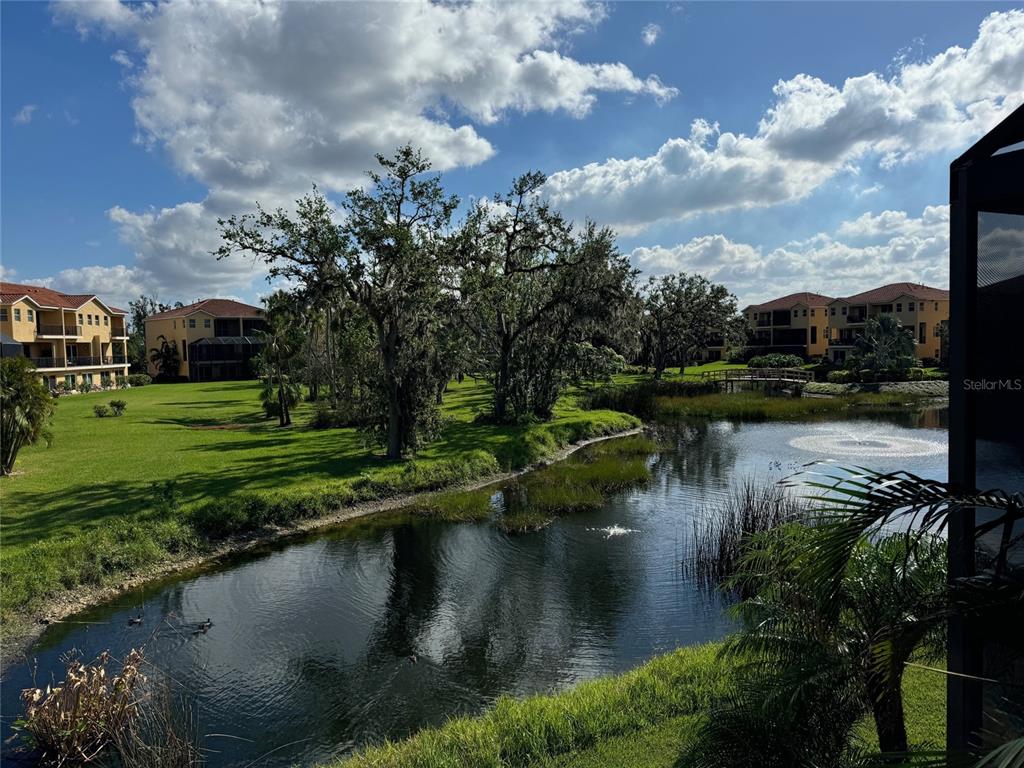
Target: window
<point x="175" y="324"/>
<point x="832" y="311"/>
<point x="899" y="307"/>
<point x="191" y="322"/>
<point x="17" y="314"/>
<point x="936" y="306"/>
<point x="87" y="378"/>
<point x="184" y="351"/>
<point x="812" y="313"/>
<point x="31" y="316"/>
<point x="69" y="381"/>
<point x="3" y="313"/>
<point x="803" y="312"/>
<point x="922" y="332"/>
<point x="920" y="307"/>
<point x="844" y="310"/>
<point x="206" y="323"/>
<point x="88" y="319"/>
<point x="80" y="319"/>
<point x="814" y="334"/>
<point x="106" y="319"/>
<point x="796" y="312"/>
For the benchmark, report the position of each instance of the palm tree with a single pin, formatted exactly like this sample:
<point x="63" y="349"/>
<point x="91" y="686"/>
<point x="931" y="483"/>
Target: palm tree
<point x="165" y="357"/>
<point x="25" y="409"/>
<point x="282" y="340"/>
<point x="857" y="504"/>
<point x="887" y="605"/>
<point x="886" y="345"/>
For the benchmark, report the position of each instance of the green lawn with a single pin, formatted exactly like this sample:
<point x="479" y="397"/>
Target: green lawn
<point x="212" y="439"/>
<point x="644" y="718"/>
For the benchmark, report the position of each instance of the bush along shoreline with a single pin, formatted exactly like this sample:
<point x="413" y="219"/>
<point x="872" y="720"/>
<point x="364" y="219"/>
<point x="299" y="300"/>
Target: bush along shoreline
<point x="51" y="576"/>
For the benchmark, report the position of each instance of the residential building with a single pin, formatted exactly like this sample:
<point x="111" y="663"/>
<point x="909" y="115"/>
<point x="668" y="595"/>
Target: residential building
<point x="216" y="339"/>
<point x="71" y="338"/>
<point x="795" y="324"/>
<point x="922" y="310"/>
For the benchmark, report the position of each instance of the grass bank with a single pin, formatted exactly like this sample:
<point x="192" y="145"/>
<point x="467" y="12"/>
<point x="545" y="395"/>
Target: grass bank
<point x="644" y="718"/>
<point x="757" y="406"/>
<point x="189" y="464"/>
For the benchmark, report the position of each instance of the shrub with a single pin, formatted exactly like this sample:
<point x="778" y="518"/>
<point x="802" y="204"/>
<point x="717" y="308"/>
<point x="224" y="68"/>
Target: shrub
<point x="139" y="379"/>
<point x="117" y="407"/>
<point x="325" y="417"/>
<point x="775" y="360"/>
<point x="73" y="722"/>
<point x="841" y="377"/>
<point x="739" y="355"/>
<point x="100" y="410"/>
<point x="639" y="399"/>
<point x="866" y="375"/>
<point x="85" y="386"/>
<point x="915" y="374"/>
<point x="935" y="375"/>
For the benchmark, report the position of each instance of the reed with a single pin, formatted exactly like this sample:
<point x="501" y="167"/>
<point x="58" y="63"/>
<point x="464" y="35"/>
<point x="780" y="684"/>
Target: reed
<point x="722" y="529"/>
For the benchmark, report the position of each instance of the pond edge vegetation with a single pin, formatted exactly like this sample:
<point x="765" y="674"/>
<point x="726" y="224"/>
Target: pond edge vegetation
<point x="48" y="581"/>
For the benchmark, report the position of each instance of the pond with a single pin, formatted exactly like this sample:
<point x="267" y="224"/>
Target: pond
<point x="364" y="632"/>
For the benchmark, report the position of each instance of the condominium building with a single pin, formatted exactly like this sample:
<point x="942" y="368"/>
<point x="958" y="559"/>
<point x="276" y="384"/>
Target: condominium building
<point x="71" y="338"/>
<point x="920" y="309"/>
<point x="216" y="339"/>
<point x="795" y="324"/>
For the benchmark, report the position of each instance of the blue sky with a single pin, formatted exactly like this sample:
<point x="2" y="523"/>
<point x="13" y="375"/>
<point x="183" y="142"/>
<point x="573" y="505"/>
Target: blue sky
<point x="127" y="131"/>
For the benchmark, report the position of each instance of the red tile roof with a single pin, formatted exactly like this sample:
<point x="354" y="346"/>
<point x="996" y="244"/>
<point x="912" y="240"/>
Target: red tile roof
<point x="215" y="307"/>
<point x="894" y="290"/>
<point x="49" y="298"/>
<point x="790" y="301"/>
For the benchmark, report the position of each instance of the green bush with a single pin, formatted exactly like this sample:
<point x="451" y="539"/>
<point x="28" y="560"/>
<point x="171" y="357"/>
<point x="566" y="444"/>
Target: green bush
<point x="101" y="411"/>
<point x="915" y="374"/>
<point x="118" y="407"/>
<point x="841" y="377"/>
<point x="139" y="379"/>
<point x="639" y="398"/>
<point x="936" y="376"/>
<point x="775" y="360"/>
<point x="85" y="386"/>
<point x="325" y="417"/>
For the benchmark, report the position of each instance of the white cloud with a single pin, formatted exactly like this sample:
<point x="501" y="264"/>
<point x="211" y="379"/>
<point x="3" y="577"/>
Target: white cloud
<point x="812" y="131"/>
<point x="650" y="33"/>
<point x="258" y="100"/>
<point x="115" y="285"/>
<point x="122" y="59"/>
<point x="24" y="115"/>
<point x="890" y="247"/>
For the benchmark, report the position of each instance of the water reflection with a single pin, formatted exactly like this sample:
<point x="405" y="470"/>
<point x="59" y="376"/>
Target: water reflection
<point x="369" y="632"/>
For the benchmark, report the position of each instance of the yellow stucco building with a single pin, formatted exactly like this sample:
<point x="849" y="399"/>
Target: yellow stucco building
<point x="216" y="339"/>
<point x="795" y="324"/>
<point x="920" y="309"/>
<point x="71" y="338"/>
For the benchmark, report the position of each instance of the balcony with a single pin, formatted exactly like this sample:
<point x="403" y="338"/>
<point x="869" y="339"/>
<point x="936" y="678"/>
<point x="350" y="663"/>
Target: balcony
<point x="45" y="362"/>
<point x="59" y="331"/>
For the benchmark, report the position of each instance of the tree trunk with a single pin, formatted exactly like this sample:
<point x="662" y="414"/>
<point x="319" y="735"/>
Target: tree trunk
<point x="887" y="709"/>
<point x="389" y="355"/>
<point x="501" y="384"/>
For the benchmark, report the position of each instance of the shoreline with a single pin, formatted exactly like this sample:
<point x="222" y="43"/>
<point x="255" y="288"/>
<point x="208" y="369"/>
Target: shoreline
<point x="57" y="609"/>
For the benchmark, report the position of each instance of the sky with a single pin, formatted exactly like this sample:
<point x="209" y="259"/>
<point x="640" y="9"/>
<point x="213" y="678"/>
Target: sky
<point x="772" y="147"/>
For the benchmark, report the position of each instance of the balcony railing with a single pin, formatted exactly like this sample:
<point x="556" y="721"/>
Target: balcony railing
<point x="57" y="330"/>
<point x="44" y="362"/>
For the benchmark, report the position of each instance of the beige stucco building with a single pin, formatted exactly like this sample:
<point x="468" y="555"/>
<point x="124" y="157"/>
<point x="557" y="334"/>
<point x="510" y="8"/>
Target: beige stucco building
<point x="71" y="338"/>
<point x="215" y="338"/>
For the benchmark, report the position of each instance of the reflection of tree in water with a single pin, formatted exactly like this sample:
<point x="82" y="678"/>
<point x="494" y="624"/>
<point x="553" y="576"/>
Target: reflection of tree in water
<point x="483" y="614"/>
<point x="703" y="453"/>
